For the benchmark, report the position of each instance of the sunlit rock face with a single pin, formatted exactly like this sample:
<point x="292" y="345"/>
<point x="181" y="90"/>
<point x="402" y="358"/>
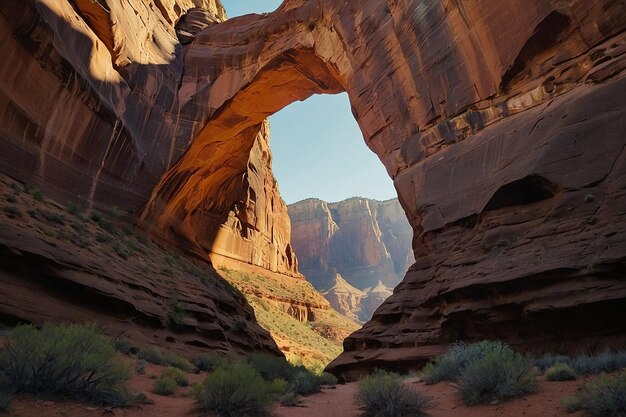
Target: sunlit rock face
<point x="501" y="124"/>
<point x="349" y="248"/>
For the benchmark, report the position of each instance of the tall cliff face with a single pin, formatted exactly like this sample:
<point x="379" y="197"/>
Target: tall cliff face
<point x="358" y="243"/>
<point x="501" y="124"/>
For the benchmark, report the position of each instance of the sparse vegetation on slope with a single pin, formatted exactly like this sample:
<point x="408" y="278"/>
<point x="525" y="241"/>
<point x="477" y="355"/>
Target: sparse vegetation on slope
<point x="312" y="343"/>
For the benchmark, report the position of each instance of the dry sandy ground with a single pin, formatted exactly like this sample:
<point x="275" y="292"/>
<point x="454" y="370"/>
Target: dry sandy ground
<point x="329" y="403"/>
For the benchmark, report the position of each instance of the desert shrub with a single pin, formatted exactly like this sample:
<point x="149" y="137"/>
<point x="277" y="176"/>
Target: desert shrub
<point x="560" y="372"/>
<point x="209" y="362"/>
<point x="549" y="360"/>
<point x="121" y="344"/>
<point x="103" y="237"/>
<point x="159" y="356"/>
<point x="450" y="366"/>
<point x="571" y="404"/>
<point x="140" y="366"/>
<point x="290" y="399"/>
<point x="6" y="394"/>
<point x="71" y="208"/>
<point x="327" y="379"/>
<point x="274" y="367"/>
<point x="143" y="399"/>
<point x="236" y="390"/>
<point x="604" y="396"/>
<point x="120" y="250"/>
<point x="498" y="375"/>
<point x="603" y="362"/>
<point x="383" y="394"/>
<point x="69" y="361"/>
<point x="305" y="383"/>
<point x="12" y="212"/>
<point x="177" y="314"/>
<point x="177" y="375"/>
<point x="164" y="386"/>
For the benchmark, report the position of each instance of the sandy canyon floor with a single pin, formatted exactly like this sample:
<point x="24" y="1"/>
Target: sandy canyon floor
<point x="331" y="402"/>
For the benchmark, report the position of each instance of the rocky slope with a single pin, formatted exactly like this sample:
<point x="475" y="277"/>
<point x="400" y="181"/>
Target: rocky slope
<point x="56" y="265"/>
<point x="352" y="245"/>
<point x="501" y="124"/>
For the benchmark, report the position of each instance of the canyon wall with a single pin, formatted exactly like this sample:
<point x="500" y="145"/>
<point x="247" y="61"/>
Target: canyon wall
<point x="349" y="248"/>
<point x="501" y="124"/>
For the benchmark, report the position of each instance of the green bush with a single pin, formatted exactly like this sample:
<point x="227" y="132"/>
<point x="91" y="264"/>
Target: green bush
<point x="603" y="362"/>
<point x="327" y="379"/>
<point x="274" y="367"/>
<point x="604" y="396"/>
<point x="305" y="383"/>
<point x="162" y="357"/>
<point x="69" y="361"/>
<point x="121" y="344"/>
<point x="164" y="386"/>
<point x="290" y="399"/>
<point x="383" y="394"/>
<point x="236" y="390"/>
<point x="450" y="366"/>
<point x="12" y="212"/>
<point x="571" y="404"/>
<point x="549" y="360"/>
<point x="140" y="366"/>
<point x="560" y="372"/>
<point x="177" y="375"/>
<point x="497" y="375"/>
<point x="209" y="362"/>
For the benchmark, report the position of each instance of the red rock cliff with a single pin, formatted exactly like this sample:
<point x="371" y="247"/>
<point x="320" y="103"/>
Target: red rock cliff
<point x="501" y="124"/>
<point x="365" y="242"/>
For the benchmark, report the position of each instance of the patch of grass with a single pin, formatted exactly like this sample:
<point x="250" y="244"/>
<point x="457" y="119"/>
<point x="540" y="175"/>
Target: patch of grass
<point x="586" y="364"/>
<point x="177" y="375"/>
<point x="497" y="375"/>
<point x="177" y="315"/>
<point x="384" y="394"/>
<point x="64" y="361"/>
<point x="12" y="212"/>
<point x="450" y="366"/>
<point x="121" y="250"/>
<point x="235" y="391"/>
<point x="162" y="357"/>
<point x="164" y="386"/>
<point x="549" y="360"/>
<point x="121" y="344"/>
<point x="103" y="238"/>
<point x="34" y="192"/>
<point x="115" y="212"/>
<point x="71" y="208"/>
<point x="305" y="383"/>
<point x="328" y="379"/>
<point x="560" y="372"/>
<point x="140" y="366"/>
<point x="571" y="404"/>
<point x="209" y="362"/>
<point x="604" y="396"/>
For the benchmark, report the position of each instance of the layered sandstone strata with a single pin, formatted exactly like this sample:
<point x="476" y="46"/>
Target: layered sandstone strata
<point x="501" y="124"/>
<point x="351" y="247"/>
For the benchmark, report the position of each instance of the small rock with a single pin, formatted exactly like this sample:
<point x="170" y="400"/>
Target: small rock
<point x="494" y="402"/>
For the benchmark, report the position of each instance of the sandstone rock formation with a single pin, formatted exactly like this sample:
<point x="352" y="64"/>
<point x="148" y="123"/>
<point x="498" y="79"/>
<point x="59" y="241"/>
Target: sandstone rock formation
<point x="501" y="124"/>
<point x="352" y="245"/>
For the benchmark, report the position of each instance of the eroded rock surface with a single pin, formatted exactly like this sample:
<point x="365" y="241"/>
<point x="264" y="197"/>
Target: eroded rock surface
<point x="501" y="124"/>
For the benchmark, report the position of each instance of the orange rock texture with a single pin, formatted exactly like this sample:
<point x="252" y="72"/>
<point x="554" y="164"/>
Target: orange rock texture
<point x="500" y="122"/>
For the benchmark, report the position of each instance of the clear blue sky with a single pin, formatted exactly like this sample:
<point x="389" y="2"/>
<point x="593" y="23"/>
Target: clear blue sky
<point x="318" y="148"/>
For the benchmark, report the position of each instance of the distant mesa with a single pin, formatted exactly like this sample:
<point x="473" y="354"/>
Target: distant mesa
<point x="354" y="251"/>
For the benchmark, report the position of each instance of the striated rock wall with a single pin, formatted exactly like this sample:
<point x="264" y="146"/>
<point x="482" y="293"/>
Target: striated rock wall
<point x="346" y="249"/>
<point x="501" y="124"/>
